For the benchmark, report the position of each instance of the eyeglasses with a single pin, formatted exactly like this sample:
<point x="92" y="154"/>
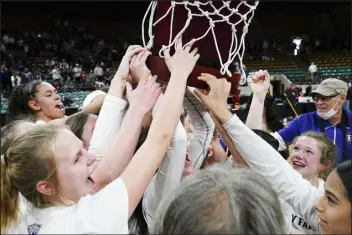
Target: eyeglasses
<point x="323" y="98"/>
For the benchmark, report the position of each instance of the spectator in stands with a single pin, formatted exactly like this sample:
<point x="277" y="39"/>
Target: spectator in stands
<point x="308" y="90"/>
<point x="47" y="63"/>
<point x="107" y="76"/>
<point x="313" y="71"/>
<point x="77" y="70"/>
<point x="52" y="62"/>
<point x="56" y="75"/>
<point x="6" y="39"/>
<point x="27" y="76"/>
<point x="99" y="73"/>
<point x="15" y="79"/>
<point x="330" y="118"/>
<point x="38" y="77"/>
<point x="26" y="50"/>
<point x="114" y="58"/>
<point x="292" y="94"/>
<point x="3" y="47"/>
<point x="83" y="78"/>
<point x="5" y="79"/>
<point x="265" y="46"/>
<point x="64" y="69"/>
<point x="91" y="79"/>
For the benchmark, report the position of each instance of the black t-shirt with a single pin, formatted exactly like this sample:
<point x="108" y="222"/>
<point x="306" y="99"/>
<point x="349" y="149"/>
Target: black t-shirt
<point x="349" y="96"/>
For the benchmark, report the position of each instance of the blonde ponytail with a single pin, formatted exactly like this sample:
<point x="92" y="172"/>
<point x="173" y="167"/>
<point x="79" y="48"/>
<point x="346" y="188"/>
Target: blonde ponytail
<point x="9" y="200"/>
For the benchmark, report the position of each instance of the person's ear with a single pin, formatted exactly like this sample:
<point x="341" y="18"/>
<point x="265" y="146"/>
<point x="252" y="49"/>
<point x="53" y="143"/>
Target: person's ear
<point x="34" y="105"/>
<point x="325" y="164"/>
<point x="343" y="99"/>
<point x="46" y="188"/>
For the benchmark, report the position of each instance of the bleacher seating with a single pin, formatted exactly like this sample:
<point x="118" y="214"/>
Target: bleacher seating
<point x="333" y="64"/>
<point x="280" y="65"/>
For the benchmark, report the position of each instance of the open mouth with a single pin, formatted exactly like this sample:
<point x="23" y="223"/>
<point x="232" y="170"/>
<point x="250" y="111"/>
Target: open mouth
<point x="60" y="107"/>
<point x="298" y="164"/>
<point x="90" y="180"/>
<point x="188" y="161"/>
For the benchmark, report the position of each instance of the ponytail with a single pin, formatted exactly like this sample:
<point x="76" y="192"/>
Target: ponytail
<point x="9" y="200"/>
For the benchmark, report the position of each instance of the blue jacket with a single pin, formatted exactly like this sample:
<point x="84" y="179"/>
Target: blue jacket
<point x="311" y="122"/>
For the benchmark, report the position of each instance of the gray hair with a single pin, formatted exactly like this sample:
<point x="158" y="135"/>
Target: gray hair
<point x="221" y="200"/>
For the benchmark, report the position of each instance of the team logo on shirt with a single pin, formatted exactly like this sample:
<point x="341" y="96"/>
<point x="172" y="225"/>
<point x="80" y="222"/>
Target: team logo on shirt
<point x="302" y="223"/>
<point x="349" y="138"/>
<point x="33" y="229"/>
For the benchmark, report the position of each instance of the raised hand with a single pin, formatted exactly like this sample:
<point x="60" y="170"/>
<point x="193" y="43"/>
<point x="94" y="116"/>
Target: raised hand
<point x="138" y="67"/>
<point x="260" y="82"/>
<point x="183" y="61"/>
<point x="216" y="98"/>
<point x="123" y="70"/>
<point x="145" y="95"/>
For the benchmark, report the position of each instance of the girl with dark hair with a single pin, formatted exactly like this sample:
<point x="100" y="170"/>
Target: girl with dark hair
<point x="39" y="99"/>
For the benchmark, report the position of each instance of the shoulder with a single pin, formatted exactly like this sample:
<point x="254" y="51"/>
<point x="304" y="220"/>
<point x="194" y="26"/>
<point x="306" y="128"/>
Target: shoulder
<point x="40" y="221"/>
<point x="309" y="118"/>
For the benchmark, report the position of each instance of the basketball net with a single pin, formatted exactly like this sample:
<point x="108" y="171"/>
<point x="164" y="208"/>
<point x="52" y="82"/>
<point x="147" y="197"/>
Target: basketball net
<point x="237" y="47"/>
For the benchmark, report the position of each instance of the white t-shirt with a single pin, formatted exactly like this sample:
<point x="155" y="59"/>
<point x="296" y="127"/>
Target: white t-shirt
<point x="56" y="74"/>
<point x="98" y="71"/>
<point x="286" y="181"/>
<point x="295" y="220"/>
<point x="313" y="68"/>
<point x="105" y="212"/>
<point x="77" y="71"/>
<point x="171" y="168"/>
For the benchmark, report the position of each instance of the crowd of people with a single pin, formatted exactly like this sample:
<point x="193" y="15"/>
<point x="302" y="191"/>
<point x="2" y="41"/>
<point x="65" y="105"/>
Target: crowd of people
<point x="145" y="157"/>
<point x="73" y="57"/>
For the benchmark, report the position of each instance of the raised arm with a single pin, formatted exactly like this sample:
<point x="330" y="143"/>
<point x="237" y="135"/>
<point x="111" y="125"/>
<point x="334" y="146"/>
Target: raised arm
<point x="145" y="162"/>
<point x="260" y="82"/>
<point x="113" y="109"/>
<point x="170" y="170"/>
<point x="262" y="158"/>
<point x="115" y="160"/>
<point x="203" y="128"/>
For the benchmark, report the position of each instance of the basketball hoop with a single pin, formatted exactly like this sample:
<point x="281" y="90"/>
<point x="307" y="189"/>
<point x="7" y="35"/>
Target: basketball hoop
<point x="202" y="17"/>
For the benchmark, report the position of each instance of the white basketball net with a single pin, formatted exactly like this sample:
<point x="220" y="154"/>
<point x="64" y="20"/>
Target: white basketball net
<point x="237" y="47"/>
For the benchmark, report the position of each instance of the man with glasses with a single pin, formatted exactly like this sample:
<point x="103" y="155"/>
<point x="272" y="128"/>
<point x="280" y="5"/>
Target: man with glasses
<point x="330" y="118"/>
